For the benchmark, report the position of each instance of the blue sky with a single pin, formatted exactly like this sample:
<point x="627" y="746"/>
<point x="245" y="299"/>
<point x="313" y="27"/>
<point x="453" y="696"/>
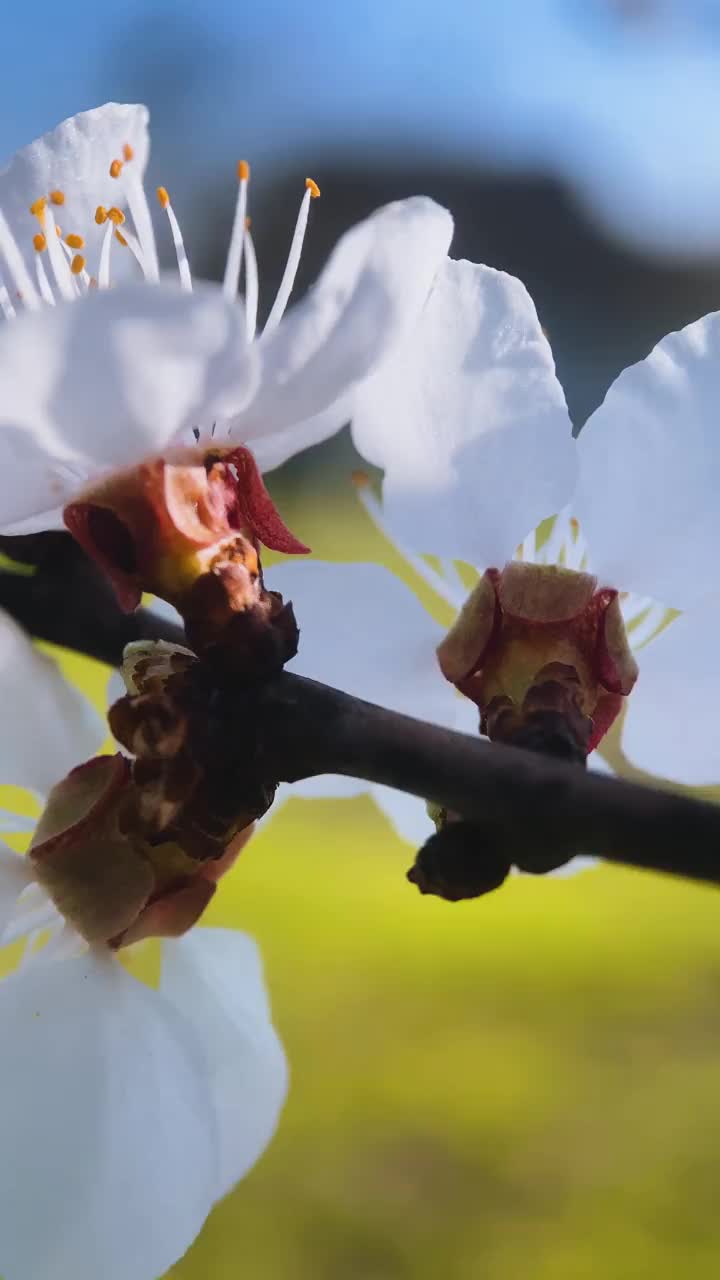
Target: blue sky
<point x="619" y="97"/>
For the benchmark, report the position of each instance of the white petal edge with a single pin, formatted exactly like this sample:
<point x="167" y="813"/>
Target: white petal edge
<point x="275" y="448"/>
<point x="48" y="725"/>
<point x="214" y="978"/>
<point x="373" y="286"/>
<point x="75" y="158"/>
<point x="469" y="421"/>
<point x="106" y="380"/>
<point x="364" y="631"/>
<point x="650" y="472"/>
<point x="105" y="1107"/>
<point x="671" y="724"/>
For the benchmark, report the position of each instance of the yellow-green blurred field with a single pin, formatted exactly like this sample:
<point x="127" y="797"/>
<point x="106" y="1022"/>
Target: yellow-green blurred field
<point x="528" y="1085"/>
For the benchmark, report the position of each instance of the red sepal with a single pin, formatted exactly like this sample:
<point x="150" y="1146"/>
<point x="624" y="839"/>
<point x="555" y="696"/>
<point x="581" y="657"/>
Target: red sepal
<point x="256" y="508"/>
<point x="110" y="544"/>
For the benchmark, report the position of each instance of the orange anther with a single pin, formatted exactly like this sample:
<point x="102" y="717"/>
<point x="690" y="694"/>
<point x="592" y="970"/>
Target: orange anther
<point x="120" y="237"/>
<point x="116" y="168"/>
<point x="163" y="197"/>
<point x="39" y="242"/>
<point x="127" y="150"/>
<point x="100" y="215"/>
<point x="38" y="207"/>
<point x="312" y="187"/>
<point x="243" y="170"/>
<point x="78" y="264"/>
<point x="74" y="242"/>
<point x="116" y="215"/>
<point x="57" y="197"/>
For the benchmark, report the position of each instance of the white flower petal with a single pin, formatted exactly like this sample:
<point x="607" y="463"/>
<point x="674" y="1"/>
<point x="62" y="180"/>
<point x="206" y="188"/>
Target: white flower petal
<point x="329" y="786"/>
<point x="373" y="286"/>
<point x="48" y="726"/>
<point x="214" y="977"/>
<point x="650" y="471"/>
<point x="407" y="814"/>
<point x="15" y="875"/>
<point x="107" y="1124"/>
<point x="671" y="725"/>
<point x="109" y="379"/>
<point x="75" y="158"/>
<point x="364" y="631"/>
<point x="469" y="421"/>
<point x="583" y="862"/>
<point x="10" y="821"/>
<point x="274" y="449"/>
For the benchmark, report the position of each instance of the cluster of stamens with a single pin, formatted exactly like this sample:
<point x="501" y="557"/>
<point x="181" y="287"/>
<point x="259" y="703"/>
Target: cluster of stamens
<point x="68" y="276"/>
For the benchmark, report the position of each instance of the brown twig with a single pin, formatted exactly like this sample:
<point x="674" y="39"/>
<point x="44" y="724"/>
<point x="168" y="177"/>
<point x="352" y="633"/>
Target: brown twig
<point x="525" y="805"/>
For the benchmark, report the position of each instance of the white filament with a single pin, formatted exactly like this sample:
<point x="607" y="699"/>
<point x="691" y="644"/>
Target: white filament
<point x="103" y="277"/>
<point x="6" y="305"/>
<point x="19" y="273"/>
<point x="139" y="209"/>
<point x="60" y="269"/>
<point x="291" y="266"/>
<point x="46" y="292"/>
<point x="181" y="255"/>
<point x="252" y="287"/>
<point x="237" y="239"/>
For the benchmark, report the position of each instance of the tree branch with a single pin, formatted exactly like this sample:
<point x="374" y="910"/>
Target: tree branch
<point x="533" y="805"/>
<point x="523" y="804"/>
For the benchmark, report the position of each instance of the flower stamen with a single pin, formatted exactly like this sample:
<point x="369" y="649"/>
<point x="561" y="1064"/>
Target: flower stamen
<point x="181" y="255"/>
<point x="312" y="192"/>
<point x="103" y="275"/>
<point x="6" y="305"/>
<point x="46" y="292"/>
<point x="81" y="274"/>
<point x="142" y="220"/>
<point x="60" y="268"/>
<point x="20" y="276"/>
<point x="252" y="284"/>
<point x="237" y="238"/>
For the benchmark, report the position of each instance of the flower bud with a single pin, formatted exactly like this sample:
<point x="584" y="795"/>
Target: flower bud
<point x="110" y="882"/>
<point x="544" y="655"/>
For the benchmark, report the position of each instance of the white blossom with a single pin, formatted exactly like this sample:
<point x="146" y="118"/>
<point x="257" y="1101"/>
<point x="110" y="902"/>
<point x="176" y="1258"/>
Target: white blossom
<point x="96" y="377"/>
